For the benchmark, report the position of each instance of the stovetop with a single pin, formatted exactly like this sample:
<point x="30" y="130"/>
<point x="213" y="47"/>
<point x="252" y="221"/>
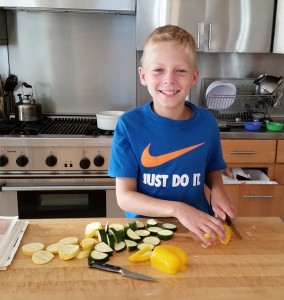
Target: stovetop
<point x="53" y="125"/>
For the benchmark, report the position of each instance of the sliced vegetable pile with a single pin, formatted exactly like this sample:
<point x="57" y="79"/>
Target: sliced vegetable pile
<point x="101" y="242"/>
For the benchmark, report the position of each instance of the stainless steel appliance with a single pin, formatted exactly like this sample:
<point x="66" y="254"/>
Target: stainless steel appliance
<point x="56" y="167"/>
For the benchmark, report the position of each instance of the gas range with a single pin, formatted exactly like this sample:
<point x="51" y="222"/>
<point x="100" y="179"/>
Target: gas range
<point x="55" y="146"/>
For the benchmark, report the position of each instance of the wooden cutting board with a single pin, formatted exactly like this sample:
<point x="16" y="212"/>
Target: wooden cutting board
<point x="252" y="268"/>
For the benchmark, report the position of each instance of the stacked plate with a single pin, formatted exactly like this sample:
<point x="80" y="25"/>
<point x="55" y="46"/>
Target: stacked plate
<point x="220" y="95"/>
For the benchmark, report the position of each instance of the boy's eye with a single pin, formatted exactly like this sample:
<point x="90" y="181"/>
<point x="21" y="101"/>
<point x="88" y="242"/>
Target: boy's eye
<point x="181" y="71"/>
<point x="158" y="70"/>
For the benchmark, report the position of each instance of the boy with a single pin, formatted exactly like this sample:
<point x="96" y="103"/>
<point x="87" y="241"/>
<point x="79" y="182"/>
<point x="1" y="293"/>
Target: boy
<point x="165" y="151"/>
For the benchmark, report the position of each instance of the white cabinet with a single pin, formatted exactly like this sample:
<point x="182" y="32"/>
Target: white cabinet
<point x="217" y="25"/>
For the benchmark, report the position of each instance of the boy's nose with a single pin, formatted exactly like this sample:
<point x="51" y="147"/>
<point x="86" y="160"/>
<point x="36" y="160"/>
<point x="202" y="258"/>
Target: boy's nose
<point x="169" y="78"/>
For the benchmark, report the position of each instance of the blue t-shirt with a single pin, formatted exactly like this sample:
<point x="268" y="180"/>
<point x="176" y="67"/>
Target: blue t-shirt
<point x="169" y="158"/>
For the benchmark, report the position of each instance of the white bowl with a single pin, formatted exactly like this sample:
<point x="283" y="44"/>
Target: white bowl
<point x="107" y="119"/>
<point x="220" y="94"/>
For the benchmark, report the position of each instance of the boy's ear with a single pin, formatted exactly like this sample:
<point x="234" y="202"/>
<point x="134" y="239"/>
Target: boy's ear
<point x="142" y="76"/>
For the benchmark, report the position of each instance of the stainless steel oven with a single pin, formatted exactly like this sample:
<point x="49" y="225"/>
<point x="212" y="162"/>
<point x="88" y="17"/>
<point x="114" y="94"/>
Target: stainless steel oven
<point x="53" y="174"/>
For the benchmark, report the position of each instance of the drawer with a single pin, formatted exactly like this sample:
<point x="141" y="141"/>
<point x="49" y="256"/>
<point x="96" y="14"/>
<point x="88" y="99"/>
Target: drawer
<point x="280" y="151"/>
<point x="257" y="201"/>
<point x="279" y="173"/>
<point x="249" y="151"/>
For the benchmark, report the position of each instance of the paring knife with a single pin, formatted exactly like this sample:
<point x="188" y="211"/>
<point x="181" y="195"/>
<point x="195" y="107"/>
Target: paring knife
<point x="234" y="229"/>
<point x="122" y="271"/>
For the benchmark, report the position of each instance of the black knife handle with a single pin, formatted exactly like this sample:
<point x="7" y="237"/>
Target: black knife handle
<point x="103" y="266"/>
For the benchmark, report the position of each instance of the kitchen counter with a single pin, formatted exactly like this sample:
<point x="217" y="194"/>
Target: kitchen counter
<point x="241" y="133"/>
<point x="252" y="268"/>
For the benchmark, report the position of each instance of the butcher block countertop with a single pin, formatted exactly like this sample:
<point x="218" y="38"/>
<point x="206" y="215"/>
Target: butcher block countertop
<point x="252" y="268"/>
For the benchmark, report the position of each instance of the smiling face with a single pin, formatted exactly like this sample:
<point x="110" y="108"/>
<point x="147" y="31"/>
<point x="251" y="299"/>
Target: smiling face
<point x="169" y="72"/>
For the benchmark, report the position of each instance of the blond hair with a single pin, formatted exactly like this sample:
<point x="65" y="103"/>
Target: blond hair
<point x="172" y="33"/>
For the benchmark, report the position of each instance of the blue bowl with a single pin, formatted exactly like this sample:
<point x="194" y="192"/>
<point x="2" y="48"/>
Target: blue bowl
<point x="252" y="125"/>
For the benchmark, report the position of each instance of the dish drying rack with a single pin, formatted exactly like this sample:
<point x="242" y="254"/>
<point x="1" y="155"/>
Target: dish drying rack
<point x="244" y="106"/>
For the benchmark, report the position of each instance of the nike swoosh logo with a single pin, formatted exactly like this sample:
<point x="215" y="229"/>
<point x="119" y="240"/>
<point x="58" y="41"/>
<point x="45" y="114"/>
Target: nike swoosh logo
<point x="150" y="161"/>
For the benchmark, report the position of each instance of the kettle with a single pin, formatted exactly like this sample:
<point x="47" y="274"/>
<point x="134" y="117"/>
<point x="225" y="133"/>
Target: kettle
<point x="267" y="84"/>
<point x="27" y="109"/>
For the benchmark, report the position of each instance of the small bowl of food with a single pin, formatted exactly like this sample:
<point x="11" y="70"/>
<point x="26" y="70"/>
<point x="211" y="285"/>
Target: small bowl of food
<point x="253" y="126"/>
<point x="274" y="126"/>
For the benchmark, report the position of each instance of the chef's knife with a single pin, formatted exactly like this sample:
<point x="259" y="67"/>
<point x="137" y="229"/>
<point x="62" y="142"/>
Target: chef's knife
<point x="122" y="271"/>
<point x="233" y="227"/>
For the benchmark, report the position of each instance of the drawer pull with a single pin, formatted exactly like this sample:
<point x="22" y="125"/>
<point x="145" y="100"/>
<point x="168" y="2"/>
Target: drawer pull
<point x="258" y="196"/>
<point x="242" y="152"/>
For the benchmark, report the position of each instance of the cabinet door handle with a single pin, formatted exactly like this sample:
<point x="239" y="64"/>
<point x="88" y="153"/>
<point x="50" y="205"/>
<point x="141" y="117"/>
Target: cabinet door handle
<point x="242" y="152"/>
<point x="258" y="196"/>
<point x="209" y="36"/>
<point x="198" y="35"/>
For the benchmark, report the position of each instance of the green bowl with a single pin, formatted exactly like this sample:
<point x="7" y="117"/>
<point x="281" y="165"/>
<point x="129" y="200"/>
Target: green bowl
<point x="274" y="126"/>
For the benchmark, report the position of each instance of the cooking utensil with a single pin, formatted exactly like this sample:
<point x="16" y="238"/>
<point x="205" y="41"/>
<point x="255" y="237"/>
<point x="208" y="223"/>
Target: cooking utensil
<point x="267" y="84"/>
<point x="274" y="126"/>
<point x="233" y="227"/>
<point x="107" y="120"/>
<point x="9" y="87"/>
<point x="122" y="271"/>
<point x="27" y="109"/>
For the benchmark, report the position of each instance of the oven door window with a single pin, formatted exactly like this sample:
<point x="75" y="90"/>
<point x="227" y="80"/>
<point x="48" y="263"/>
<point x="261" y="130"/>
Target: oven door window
<point x="60" y="204"/>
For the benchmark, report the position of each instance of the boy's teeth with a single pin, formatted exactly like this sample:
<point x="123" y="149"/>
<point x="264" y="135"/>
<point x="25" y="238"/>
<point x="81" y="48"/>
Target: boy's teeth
<point x="169" y="92"/>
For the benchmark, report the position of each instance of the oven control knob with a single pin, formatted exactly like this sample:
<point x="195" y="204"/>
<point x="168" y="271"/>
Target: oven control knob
<point x="22" y="161"/>
<point x="85" y="163"/>
<point x="3" y="160"/>
<point x="51" y="161"/>
<point x="99" y="160"/>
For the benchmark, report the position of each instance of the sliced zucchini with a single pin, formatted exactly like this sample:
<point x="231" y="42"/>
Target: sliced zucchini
<point x="130" y="245"/>
<point x="103" y="247"/>
<point x="102" y="236"/>
<point x="69" y="241"/>
<point x="107" y="226"/>
<point x="152" y="222"/>
<point x="119" y="247"/>
<point x="169" y="226"/>
<point x="165" y="234"/>
<point x="111" y="240"/>
<point x="98" y="256"/>
<point x="132" y="225"/>
<point x="142" y="232"/>
<point x="154" y="230"/>
<point x="152" y="240"/>
<point x="118" y="234"/>
<point x="132" y="235"/>
<point x="116" y="226"/>
<point x="142" y="245"/>
<point x="140" y="225"/>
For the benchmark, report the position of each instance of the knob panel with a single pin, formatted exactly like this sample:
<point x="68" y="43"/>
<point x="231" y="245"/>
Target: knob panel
<point x="22" y="161"/>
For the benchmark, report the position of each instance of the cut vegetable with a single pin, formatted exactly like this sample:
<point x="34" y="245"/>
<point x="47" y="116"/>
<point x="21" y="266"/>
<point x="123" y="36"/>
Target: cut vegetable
<point x="98" y="256"/>
<point x="140" y="225"/>
<point x="130" y="245"/>
<point x="88" y="243"/>
<point x="42" y="257"/>
<point x="111" y="240"/>
<point x="107" y="226"/>
<point x="53" y="248"/>
<point x="169" y="226"/>
<point x="152" y="240"/>
<point x="30" y="249"/>
<point x="132" y="225"/>
<point x="103" y="247"/>
<point x="152" y="222"/>
<point x="118" y="234"/>
<point x="135" y="257"/>
<point x="119" y="247"/>
<point x="165" y="234"/>
<point x="154" y="230"/>
<point x="142" y="232"/>
<point x="142" y="245"/>
<point x="92" y="229"/>
<point x="68" y="251"/>
<point x="116" y="226"/>
<point x="83" y="254"/>
<point x="102" y="236"/>
<point x="132" y="235"/>
<point x="69" y="241"/>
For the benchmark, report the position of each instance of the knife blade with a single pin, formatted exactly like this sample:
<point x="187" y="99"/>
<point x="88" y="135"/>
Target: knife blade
<point x="122" y="271"/>
<point x="233" y="227"/>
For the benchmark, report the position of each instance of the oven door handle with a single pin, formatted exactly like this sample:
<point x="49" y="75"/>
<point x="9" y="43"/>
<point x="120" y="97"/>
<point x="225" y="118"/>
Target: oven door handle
<point x="23" y="188"/>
